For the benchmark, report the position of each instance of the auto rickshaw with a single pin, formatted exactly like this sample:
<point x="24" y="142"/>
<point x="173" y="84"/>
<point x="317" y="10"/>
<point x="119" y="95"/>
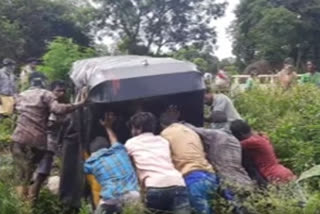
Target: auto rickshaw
<point x="124" y="85"/>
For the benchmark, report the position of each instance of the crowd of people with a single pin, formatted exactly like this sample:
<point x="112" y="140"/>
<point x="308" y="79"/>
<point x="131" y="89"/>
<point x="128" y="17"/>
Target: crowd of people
<point x="181" y="169"/>
<point x="40" y="114"/>
<point x="288" y="76"/>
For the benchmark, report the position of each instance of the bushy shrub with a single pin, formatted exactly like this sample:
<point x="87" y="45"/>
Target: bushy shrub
<point x="9" y="203"/>
<point x="48" y="203"/>
<point x="290" y="199"/>
<point x="6" y="128"/>
<point x="62" y="52"/>
<point x="291" y="118"/>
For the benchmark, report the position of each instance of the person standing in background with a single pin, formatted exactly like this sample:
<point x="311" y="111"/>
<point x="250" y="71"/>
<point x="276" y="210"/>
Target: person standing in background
<point x="252" y="81"/>
<point x="8" y="87"/>
<point x="287" y="76"/>
<point x="29" y="73"/>
<point x="313" y="76"/>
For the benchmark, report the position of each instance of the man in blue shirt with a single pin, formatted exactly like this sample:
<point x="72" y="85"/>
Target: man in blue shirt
<point x="113" y="170"/>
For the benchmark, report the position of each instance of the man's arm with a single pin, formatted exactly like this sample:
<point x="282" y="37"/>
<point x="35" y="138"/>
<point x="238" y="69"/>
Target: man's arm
<point x="203" y="132"/>
<point x="60" y="108"/>
<point x="112" y="136"/>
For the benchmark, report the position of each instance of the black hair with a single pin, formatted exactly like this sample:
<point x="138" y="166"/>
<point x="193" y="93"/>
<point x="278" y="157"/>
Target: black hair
<point x="240" y="128"/>
<point x="219" y="117"/>
<point x="166" y="120"/>
<point x="32" y="59"/>
<point x="99" y="143"/>
<point x="289" y="61"/>
<point x="57" y="83"/>
<point x="145" y="121"/>
<point x="208" y="90"/>
<point x="38" y="83"/>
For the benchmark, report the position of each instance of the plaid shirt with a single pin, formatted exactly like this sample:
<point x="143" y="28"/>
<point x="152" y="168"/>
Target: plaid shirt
<point x="34" y="107"/>
<point x="224" y="152"/>
<point x="113" y="170"/>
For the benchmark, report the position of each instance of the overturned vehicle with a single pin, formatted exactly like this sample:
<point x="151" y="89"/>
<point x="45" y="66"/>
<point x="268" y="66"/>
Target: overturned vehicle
<point x="124" y="85"/>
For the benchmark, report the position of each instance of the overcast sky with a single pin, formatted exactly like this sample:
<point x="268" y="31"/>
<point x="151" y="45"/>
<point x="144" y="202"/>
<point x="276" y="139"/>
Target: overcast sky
<point x="224" y="40"/>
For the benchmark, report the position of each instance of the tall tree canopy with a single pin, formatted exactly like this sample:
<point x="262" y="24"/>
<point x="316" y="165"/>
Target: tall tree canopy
<point x="26" y="26"/>
<point x="146" y="26"/>
<point x="275" y="29"/>
<point x="205" y="61"/>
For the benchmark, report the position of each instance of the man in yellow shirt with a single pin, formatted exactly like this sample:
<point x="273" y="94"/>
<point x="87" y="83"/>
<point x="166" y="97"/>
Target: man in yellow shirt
<point x="189" y="158"/>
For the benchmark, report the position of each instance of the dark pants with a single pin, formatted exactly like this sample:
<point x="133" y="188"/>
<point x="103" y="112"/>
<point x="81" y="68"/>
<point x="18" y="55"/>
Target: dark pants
<point x="168" y="200"/>
<point x="252" y="170"/>
<point x="26" y="161"/>
<point x="202" y="187"/>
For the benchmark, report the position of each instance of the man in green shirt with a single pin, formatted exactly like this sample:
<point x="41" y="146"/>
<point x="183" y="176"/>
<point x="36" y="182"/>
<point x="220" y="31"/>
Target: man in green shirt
<point x="312" y="76"/>
<point x="252" y="81"/>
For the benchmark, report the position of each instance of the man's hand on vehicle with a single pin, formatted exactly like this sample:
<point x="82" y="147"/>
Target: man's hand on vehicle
<point x="109" y="119"/>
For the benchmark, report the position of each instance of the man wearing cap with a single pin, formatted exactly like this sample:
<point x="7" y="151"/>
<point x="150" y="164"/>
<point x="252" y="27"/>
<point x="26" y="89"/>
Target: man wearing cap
<point x="30" y="149"/>
<point x="7" y="87"/>
<point x="29" y="73"/>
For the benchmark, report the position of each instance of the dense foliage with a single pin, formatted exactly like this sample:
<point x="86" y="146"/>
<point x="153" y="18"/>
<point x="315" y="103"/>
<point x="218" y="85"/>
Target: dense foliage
<point x="9" y="203"/>
<point x="26" y="26"/>
<point x="6" y="128"/>
<point x="273" y="29"/>
<point x="62" y="52"/>
<point x="290" y="118"/>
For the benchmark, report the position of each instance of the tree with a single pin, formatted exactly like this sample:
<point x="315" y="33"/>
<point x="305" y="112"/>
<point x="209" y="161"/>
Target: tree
<point x="62" y="52"/>
<point x="152" y="25"/>
<point x="228" y="64"/>
<point x="11" y="39"/>
<point x="204" y="60"/>
<point x="277" y="34"/>
<point x="274" y="29"/>
<point x="33" y="23"/>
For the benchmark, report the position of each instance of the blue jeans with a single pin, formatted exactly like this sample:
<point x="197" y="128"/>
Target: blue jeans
<point x="170" y="199"/>
<point x="202" y="187"/>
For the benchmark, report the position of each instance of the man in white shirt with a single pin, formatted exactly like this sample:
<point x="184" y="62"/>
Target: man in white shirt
<point x="164" y="185"/>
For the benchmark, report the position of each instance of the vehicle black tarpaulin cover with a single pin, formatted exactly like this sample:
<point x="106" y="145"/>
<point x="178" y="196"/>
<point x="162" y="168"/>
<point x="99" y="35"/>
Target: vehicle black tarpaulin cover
<point x="122" y="79"/>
